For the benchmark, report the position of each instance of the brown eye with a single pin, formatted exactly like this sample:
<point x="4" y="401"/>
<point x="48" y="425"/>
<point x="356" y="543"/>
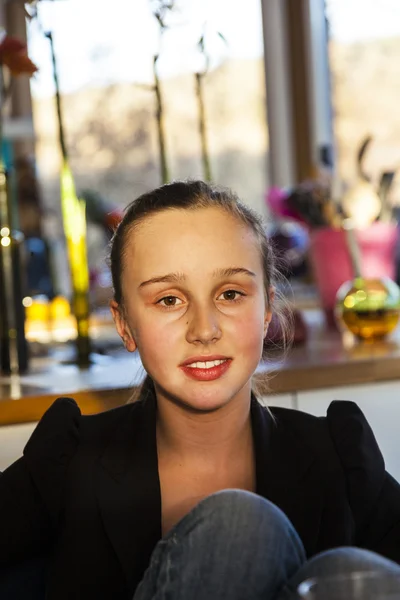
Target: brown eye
<point x="231" y="295"/>
<point x="169" y="301"/>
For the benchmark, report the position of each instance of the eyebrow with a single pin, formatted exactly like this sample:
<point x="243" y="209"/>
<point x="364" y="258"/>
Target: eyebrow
<point x="179" y="277"/>
<point x="169" y="278"/>
<point x="233" y="271"/>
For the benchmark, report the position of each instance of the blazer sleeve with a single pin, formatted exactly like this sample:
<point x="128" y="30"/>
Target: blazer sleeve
<point x="374" y="495"/>
<point x="31" y="489"/>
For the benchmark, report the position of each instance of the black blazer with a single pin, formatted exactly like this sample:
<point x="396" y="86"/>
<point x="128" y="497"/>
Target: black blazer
<point x="87" y="491"/>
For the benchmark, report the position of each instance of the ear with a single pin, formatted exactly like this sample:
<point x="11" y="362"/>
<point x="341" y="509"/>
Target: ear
<point x="122" y="326"/>
<point x="268" y="309"/>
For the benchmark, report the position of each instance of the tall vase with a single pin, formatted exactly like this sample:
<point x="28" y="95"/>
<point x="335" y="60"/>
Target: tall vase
<point x="74" y="219"/>
<point x="13" y="344"/>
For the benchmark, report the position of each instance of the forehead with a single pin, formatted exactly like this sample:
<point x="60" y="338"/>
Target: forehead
<point x="184" y="240"/>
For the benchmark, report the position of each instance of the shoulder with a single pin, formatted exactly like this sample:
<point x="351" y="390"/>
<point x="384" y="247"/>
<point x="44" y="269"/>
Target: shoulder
<point x="62" y="435"/>
<point x="357" y="448"/>
<point x="345" y="436"/>
<point x="57" y="429"/>
<point x="63" y="427"/>
<point x="339" y="412"/>
<point x="349" y="427"/>
<point x="344" y="423"/>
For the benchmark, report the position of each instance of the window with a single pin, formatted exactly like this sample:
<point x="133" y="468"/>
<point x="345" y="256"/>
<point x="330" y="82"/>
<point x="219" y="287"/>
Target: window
<point x="364" y="53"/>
<point x="105" y="68"/>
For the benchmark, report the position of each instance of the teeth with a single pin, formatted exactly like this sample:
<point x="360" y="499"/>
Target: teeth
<point x="206" y="365"/>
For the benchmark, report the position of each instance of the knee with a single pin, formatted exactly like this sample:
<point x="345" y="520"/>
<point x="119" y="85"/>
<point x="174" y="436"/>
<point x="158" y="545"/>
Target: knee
<point x="241" y="511"/>
<point x="251" y="529"/>
<point x="349" y="559"/>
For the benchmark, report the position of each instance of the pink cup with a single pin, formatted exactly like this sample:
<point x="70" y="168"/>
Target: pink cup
<point x="331" y="261"/>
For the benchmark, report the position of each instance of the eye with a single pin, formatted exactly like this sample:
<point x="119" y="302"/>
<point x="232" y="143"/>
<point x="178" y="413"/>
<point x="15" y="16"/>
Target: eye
<point x="169" y="301"/>
<point x="231" y="295"/>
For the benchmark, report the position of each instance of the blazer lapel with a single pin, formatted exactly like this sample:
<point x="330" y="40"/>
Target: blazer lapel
<point x="285" y="475"/>
<point x="128" y="490"/>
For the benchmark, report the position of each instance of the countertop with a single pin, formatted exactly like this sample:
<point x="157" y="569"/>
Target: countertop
<point x="327" y="359"/>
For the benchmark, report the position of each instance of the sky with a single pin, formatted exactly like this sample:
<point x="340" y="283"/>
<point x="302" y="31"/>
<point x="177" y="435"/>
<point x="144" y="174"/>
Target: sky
<point x="99" y="42"/>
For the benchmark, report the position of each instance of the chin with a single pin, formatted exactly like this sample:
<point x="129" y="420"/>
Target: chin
<point x="205" y="401"/>
<point x="203" y="406"/>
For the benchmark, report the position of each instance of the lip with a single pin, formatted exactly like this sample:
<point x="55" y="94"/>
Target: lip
<point x="203" y="358"/>
<point x="211" y="374"/>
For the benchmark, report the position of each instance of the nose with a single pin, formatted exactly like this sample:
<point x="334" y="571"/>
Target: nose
<point x="203" y="325"/>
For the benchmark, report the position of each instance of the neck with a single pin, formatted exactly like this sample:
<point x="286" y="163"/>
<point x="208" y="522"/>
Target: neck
<point x="203" y="437"/>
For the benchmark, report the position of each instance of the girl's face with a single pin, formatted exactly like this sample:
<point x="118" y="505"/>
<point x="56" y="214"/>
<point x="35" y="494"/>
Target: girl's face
<point x="195" y="305"/>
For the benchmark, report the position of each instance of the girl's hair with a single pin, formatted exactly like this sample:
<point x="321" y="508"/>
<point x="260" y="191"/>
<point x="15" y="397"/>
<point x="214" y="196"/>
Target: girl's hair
<point x="193" y="195"/>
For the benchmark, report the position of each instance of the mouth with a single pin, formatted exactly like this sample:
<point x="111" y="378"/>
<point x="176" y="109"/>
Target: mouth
<point x="206" y="368"/>
<point x="204" y="362"/>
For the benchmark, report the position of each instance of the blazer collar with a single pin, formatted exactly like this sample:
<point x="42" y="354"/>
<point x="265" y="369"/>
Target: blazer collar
<point x="282" y="458"/>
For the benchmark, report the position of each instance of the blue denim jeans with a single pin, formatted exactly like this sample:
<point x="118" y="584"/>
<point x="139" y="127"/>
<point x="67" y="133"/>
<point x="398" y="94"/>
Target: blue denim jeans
<point x="235" y="545"/>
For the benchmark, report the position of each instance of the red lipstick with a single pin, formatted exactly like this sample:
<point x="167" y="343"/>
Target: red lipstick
<point x="203" y="373"/>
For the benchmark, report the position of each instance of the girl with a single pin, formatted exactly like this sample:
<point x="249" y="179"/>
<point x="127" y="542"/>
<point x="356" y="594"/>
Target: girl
<point x="196" y="491"/>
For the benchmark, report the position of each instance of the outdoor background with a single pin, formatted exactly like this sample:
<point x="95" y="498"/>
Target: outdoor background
<point x="105" y="75"/>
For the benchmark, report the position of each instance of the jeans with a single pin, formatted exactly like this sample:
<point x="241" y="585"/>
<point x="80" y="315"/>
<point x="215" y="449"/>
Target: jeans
<point x="236" y="545"/>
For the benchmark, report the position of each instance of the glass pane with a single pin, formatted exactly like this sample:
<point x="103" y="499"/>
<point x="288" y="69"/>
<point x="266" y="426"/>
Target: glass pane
<point x="105" y="55"/>
<point x="365" y="67"/>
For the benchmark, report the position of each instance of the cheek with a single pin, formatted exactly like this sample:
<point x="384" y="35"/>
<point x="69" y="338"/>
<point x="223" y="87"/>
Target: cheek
<point x="248" y="328"/>
<point x="155" y="338"/>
